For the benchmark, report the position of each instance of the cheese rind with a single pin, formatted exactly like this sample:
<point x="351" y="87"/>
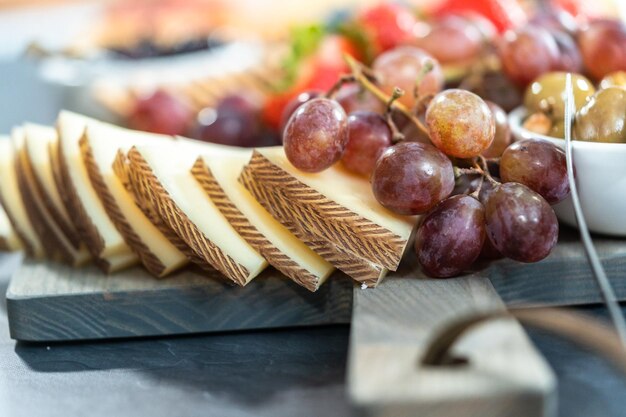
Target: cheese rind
<point x="11" y="200"/>
<point x="346" y="212"/>
<point x="185" y="207"/>
<point x="218" y="176"/>
<point x="99" y="148"/>
<point x="93" y="223"/>
<point x="288" y="213"/>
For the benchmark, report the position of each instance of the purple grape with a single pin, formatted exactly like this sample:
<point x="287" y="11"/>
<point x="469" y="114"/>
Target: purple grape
<point x="520" y="223"/>
<point x="411" y="178"/>
<point x="234" y="121"/>
<point x="296" y="102"/>
<point x="316" y="135"/>
<point x="539" y="165"/>
<point x="451" y="236"/>
<point x="369" y="135"/>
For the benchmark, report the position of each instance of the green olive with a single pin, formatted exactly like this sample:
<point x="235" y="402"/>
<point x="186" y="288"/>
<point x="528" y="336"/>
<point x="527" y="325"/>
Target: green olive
<point x="603" y="118"/>
<point x="547" y="94"/>
<point x="614" y="79"/>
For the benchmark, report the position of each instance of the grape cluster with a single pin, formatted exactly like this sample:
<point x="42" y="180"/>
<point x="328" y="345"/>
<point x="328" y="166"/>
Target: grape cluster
<point x="427" y="156"/>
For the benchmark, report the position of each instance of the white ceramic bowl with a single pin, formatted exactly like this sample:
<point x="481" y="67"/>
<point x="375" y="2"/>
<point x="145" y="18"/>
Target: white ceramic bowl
<point x="600" y="177"/>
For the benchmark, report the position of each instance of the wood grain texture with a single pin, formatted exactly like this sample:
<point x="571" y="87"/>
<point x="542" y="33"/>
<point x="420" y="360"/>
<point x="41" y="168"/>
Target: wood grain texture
<point x="178" y="221"/>
<point x="149" y="260"/>
<point x="288" y="213"/>
<point x="393" y="324"/>
<point x="51" y="302"/>
<point x="274" y="256"/>
<point x="327" y="219"/>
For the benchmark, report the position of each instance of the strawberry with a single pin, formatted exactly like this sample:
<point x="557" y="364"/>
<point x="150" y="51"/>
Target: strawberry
<point x="504" y="14"/>
<point x="388" y="25"/>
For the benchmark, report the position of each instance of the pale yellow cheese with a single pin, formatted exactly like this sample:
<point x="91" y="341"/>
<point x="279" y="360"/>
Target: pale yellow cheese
<point x="71" y="127"/>
<point x="51" y="232"/>
<point x="346" y="189"/>
<point x="226" y="170"/>
<point x="105" y="141"/>
<point x="12" y="199"/>
<point x="38" y="142"/>
<point x="172" y="166"/>
<point x="7" y="233"/>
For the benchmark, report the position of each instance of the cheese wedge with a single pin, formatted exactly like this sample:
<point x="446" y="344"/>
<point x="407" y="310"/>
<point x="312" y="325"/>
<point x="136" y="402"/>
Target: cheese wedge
<point x="361" y="270"/>
<point x="341" y="206"/>
<point x="218" y="176"/>
<point x="56" y="244"/>
<point x="9" y="241"/>
<point x="12" y="201"/>
<point x="95" y="227"/>
<point x="99" y="149"/>
<point x="185" y="207"/>
<point x="45" y="206"/>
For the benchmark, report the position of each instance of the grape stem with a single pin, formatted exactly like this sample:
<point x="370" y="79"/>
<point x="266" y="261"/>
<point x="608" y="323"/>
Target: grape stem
<point x="343" y="80"/>
<point x="485" y="169"/>
<point x="397" y="136"/>
<point x="428" y="67"/>
<point x="360" y="77"/>
<point x="476" y="192"/>
<point x="458" y="172"/>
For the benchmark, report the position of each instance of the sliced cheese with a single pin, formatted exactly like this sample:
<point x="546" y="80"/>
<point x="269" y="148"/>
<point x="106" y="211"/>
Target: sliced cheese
<point x="45" y="205"/>
<point x="9" y="241"/>
<point x="188" y="210"/>
<point x="342" y="206"/>
<point x="218" y="175"/>
<point x="13" y="203"/>
<point x="100" y="147"/>
<point x="39" y="141"/>
<point x="56" y="244"/>
<point x="95" y="227"/>
<point x="288" y="213"/>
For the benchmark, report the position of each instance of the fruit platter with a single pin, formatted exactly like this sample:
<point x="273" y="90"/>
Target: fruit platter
<point x="386" y="162"/>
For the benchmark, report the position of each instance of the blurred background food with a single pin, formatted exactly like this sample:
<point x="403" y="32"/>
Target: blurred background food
<point x="233" y="71"/>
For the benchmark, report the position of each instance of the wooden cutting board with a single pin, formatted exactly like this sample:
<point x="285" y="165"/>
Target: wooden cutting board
<point x="51" y="302"/>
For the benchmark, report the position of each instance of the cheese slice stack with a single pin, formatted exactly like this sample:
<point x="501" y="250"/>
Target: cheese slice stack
<point x="95" y="228"/>
<point x="218" y="175"/>
<point x="186" y="208"/>
<point x="55" y="242"/>
<point x="100" y="147"/>
<point x="46" y="203"/>
<point x="11" y="199"/>
<point x="9" y="241"/>
<point x="335" y="206"/>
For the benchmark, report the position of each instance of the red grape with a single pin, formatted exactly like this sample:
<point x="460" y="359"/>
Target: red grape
<point x="603" y="47"/>
<point x="162" y="113"/>
<point x="527" y="53"/>
<point x="316" y="135"/>
<point x="369" y="135"/>
<point x="502" y="137"/>
<point x="489" y="252"/>
<point x="353" y="97"/>
<point x="539" y="165"/>
<point x="401" y="67"/>
<point x="411" y="178"/>
<point x="520" y="223"/>
<point x="296" y="102"/>
<point x="452" y="39"/>
<point x="460" y="123"/>
<point x="451" y="236"/>
<point x="234" y="121"/>
<point x="569" y="59"/>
